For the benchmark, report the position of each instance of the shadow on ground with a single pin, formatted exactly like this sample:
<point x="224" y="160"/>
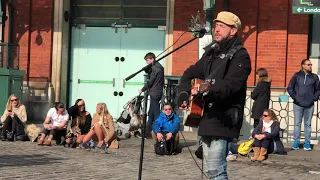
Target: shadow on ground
<point x="27" y="160"/>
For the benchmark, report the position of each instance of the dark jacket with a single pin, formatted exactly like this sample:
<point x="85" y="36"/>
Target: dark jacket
<point x="304" y="89"/>
<point x="274" y="136"/>
<point x="166" y="124"/>
<point x="155" y="83"/>
<point x="224" y="107"/>
<point x="73" y="112"/>
<point x="261" y="97"/>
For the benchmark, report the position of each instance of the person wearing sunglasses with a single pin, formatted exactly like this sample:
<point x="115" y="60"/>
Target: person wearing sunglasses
<point x="80" y="123"/>
<point x="13" y="119"/>
<point x="304" y="89"/>
<point x="266" y="137"/>
<point x="166" y="127"/>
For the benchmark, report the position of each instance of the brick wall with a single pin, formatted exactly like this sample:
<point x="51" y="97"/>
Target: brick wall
<point x="188" y="54"/>
<point x="275" y="26"/>
<point x="38" y="64"/>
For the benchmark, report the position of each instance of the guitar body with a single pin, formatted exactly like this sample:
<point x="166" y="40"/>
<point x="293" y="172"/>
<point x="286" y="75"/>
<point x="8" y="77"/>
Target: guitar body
<point x="195" y="112"/>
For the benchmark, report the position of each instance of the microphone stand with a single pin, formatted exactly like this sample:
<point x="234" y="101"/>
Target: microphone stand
<point x="147" y="69"/>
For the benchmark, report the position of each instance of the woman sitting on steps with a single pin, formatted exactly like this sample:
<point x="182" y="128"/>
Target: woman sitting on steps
<point x="81" y="121"/>
<point x="266" y="137"/>
<point x="102" y="129"/>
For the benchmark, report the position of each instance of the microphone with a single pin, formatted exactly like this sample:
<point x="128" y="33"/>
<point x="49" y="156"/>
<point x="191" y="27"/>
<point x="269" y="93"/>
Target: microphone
<point x="200" y="30"/>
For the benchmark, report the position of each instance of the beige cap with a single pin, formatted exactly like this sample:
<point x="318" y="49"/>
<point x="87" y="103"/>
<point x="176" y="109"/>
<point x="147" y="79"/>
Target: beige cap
<point x="229" y="19"/>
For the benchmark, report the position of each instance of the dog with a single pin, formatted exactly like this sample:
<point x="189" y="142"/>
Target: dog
<point x="33" y="132"/>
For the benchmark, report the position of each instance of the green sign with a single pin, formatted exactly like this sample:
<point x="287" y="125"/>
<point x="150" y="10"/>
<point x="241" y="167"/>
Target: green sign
<point x="306" y="7"/>
<point x="134" y="83"/>
<point x="95" y="82"/>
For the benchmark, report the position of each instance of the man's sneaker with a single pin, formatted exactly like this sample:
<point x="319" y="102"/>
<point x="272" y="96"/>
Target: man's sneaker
<point x="295" y="145"/>
<point x="307" y="146"/>
<point x="232" y="157"/>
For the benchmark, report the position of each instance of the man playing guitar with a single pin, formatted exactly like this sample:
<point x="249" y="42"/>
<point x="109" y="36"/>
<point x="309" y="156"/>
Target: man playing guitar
<point x="224" y="68"/>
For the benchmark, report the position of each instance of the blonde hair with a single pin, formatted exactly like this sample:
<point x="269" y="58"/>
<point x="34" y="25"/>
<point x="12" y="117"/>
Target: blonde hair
<point x="9" y="105"/>
<point x="272" y="115"/>
<point x="105" y="111"/>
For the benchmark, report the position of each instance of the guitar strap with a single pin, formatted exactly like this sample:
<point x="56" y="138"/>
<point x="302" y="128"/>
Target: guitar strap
<point x="223" y="65"/>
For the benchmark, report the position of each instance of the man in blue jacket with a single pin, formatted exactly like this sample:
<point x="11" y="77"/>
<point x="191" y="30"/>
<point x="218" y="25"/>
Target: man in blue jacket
<point x="304" y="89"/>
<point x="168" y="125"/>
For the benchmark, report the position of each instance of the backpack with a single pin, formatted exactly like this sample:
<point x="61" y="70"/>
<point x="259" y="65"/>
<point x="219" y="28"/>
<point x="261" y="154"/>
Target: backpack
<point x="245" y="147"/>
<point x="164" y="147"/>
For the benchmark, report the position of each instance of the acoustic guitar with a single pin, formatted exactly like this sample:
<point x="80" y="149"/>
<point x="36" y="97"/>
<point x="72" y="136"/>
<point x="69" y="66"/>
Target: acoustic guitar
<point x="195" y="110"/>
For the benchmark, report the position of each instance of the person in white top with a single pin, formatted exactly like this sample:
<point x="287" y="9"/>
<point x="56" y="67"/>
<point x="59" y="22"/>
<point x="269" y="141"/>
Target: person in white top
<point x="54" y="124"/>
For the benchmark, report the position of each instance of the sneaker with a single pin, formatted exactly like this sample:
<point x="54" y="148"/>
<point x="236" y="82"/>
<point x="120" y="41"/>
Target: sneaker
<point x="232" y="157"/>
<point x="295" y="145"/>
<point x="138" y="135"/>
<point x="307" y="146"/>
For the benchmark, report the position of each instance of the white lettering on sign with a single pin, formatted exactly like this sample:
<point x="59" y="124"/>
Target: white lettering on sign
<point x="311" y="10"/>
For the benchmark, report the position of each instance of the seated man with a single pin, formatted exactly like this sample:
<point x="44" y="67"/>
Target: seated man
<point x="166" y="127"/>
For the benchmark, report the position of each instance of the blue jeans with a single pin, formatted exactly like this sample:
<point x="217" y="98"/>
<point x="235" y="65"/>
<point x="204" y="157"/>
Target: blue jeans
<point x="154" y="112"/>
<point x="306" y="114"/>
<point x="215" y="152"/>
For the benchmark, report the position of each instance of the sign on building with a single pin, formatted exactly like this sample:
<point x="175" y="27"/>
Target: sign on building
<point x="306" y="7"/>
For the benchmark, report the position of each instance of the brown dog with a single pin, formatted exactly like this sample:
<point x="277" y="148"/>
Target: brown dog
<point x="33" y="132"/>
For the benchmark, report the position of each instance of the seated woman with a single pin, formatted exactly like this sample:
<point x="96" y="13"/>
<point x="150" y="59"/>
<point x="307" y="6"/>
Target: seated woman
<point x="166" y="126"/>
<point x="13" y="119"/>
<point x="81" y="121"/>
<point x="102" y="129"/>
<point x="54" y="125"/>
<point x="266" y="136"/>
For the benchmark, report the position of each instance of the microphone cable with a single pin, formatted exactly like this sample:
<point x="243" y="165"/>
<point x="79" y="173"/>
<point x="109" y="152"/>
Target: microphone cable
<point x="195" y="161"/>
<point x="172" y="44"/>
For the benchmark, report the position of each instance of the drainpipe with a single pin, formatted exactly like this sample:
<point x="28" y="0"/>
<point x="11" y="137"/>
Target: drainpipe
<point x="10" y="9"/>
<point x="226" y="5"/>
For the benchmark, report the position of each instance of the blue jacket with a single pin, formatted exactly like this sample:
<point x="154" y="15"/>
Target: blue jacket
<point x="304" y="89"/>
<point x="166" y="124"/>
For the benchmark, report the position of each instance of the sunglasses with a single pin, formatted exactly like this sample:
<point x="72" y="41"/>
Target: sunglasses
<point x="168" y="109"/>
<point x="265" y="115"/>
<point x="308" y="64"/>
<point x="81" y="105"/>
<point x="13" y="100"/>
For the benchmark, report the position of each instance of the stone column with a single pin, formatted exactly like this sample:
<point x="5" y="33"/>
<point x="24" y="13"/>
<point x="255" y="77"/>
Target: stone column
<point x="169" y="36"/>
<point x="56" y="50"/>
<point x="60" y="53"/>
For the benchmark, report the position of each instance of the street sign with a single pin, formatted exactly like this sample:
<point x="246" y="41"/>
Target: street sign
<point x="306" y="7"/>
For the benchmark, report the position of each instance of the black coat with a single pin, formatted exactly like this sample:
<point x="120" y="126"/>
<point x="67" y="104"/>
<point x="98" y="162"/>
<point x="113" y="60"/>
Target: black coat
<point x="224" y="107"/>
<point x="155" y="83"/>
<point x="261" y="97"/>
<point x="274" y="136"/>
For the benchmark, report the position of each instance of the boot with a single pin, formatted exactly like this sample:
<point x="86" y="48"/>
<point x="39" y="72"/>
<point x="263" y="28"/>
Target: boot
<point x="256" y="153"/>
<point x="263" y="154"/>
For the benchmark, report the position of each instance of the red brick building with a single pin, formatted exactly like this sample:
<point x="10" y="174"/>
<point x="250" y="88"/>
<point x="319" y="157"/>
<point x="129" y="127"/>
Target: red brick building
<point x="275" y="38"/>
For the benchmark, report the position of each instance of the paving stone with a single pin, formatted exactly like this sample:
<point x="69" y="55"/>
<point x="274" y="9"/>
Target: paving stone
<point x="25" y="160"/>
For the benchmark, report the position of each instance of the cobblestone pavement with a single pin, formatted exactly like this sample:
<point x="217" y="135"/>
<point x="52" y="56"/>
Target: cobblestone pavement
<point x="23" y="160"/>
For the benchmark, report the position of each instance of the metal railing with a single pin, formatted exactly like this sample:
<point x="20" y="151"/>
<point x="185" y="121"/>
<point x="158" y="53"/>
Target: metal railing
<point x="280" y="103"/>
<point x="9" y="55"/>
